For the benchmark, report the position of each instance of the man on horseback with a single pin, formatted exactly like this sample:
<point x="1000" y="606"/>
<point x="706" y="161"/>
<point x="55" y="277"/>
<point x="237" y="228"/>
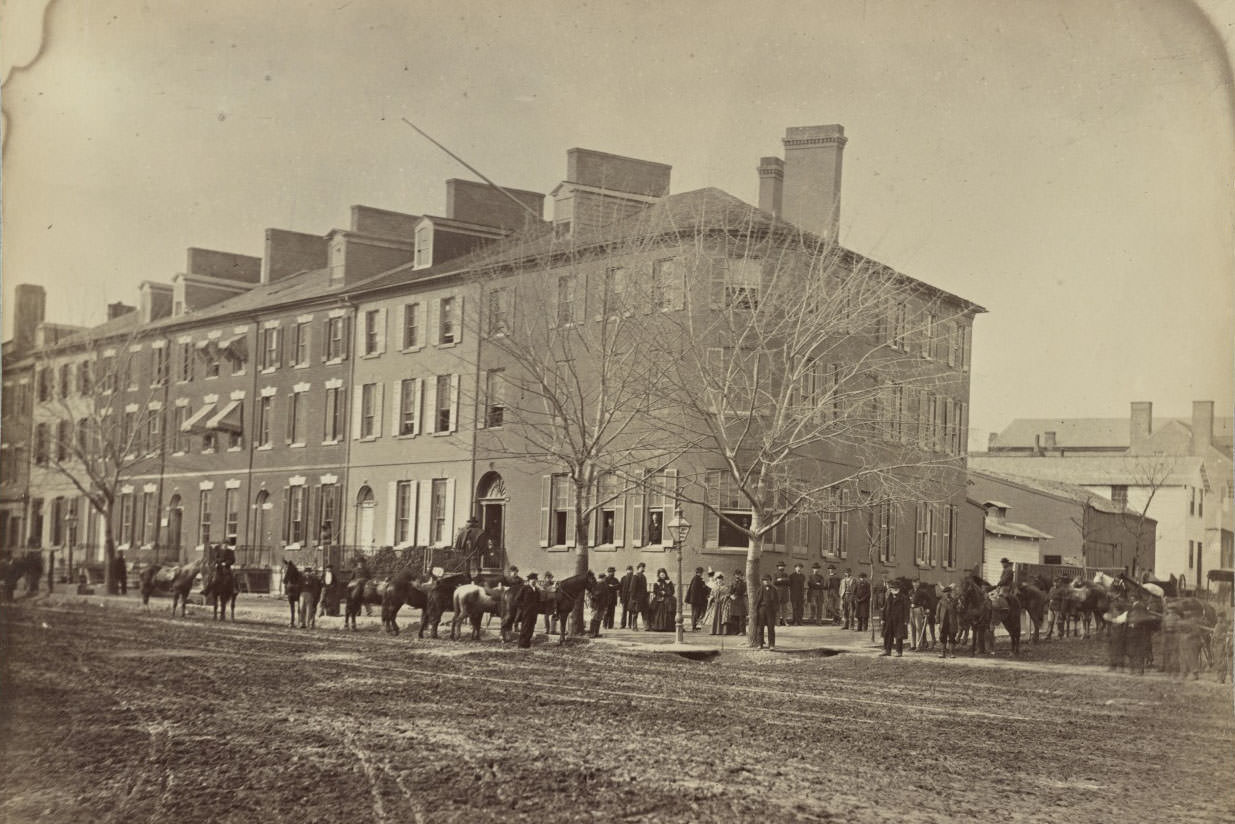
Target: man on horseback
<point x="1006" y="578"/>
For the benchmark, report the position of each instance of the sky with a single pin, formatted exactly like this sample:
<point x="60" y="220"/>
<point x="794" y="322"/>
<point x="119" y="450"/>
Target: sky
<point x="1066" y="165"/>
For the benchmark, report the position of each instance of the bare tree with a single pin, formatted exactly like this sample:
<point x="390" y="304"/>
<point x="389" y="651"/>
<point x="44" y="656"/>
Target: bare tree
<point x="95" y="426"/>
<point x="1147" y="475"/>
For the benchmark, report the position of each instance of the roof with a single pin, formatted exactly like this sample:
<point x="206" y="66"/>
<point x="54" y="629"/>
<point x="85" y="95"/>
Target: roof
<point x="1058" y="489"/>
<point x="998" y="526"/>
<point x="1095" y="433"/>
<point x="1089" y="470"/>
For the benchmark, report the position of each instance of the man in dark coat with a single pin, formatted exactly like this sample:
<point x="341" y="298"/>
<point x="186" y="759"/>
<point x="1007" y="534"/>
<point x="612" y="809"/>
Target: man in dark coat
<point x="600" y="604"/>
<point x="624" y="595"/>
<point x="1006" y="577"/>
<point x="737" y="602"/>
<point x="527" y="602"/>
<point x="861" y="601"/>
<point x="120" y="572"/>
<point x="697" y="596"/>
<point x="781" y="582"/>
<point x="816" y="593"/>
<point x="797" y="593"/>
<point x="637" y="599"/>
<point x="831" y="601"/>
<point x="765" y="606"/>
<point x="895" y="619"/>
<point x="614" y="587"/>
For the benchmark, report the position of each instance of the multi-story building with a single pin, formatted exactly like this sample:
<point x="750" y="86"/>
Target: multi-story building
<point x="345" y="390"/>
<point x="1179" y="475"/>
<point x="16" y="429"/>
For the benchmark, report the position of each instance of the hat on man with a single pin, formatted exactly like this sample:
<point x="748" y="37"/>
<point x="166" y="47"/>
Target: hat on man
<point x="780" y="563"/>
<point x="612" y="569"/>
<point x="814" y="566"/>
<point x="698" y="570"/>
<point x="532" y="576"/>
<point x="1004" y="561"/>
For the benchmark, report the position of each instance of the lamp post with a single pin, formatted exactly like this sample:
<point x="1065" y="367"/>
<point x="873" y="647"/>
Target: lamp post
<point x="679" y="528"/>
<point x="70" y="523"/>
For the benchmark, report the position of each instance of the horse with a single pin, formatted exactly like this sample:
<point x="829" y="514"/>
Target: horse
<point x="471" y="602"/>
<point x="569" y="592"/>
<point x="293" y="580"/>
<point x="145" y="583"/>
<point x="360" y="592"/>
<point x="1034" y="600"/>
<point x="310" y="593"/>
<point x="222" y="590"/>
<point x="1063" y="608"/>
<point x="182" y="584"/>
<point x="28" y="566"/>
<point x="1006" y="610"/>
<point x="981" y="610"/>
<point x="923" y="600"/>
<point x="1089" y="603"/>
<point x="431" y="596"/>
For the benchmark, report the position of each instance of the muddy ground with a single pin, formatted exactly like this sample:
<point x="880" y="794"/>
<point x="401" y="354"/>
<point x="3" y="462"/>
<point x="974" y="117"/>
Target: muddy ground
<point x="125" y="717"/>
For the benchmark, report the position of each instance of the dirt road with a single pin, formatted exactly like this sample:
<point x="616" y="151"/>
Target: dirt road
<point x="138" y="718"/>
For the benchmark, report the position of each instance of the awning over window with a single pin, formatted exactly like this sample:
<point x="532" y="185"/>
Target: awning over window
<point x="229" y="419"/>
<point x="236" y="347"/>
<point x="196" y="422"/>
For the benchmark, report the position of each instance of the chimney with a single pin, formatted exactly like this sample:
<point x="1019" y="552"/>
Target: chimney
<point x="1202" y="426"/>
<point x="813" y="156"/>
<point x="600" y="188"/>
<point x="1048" y="440"/>
<point x="481" y="203"/>
<point x="289" y="252"/>
<point x="29" y="306"/>
<point x="771" y="184"/>
<point x="119" y="309"/>
<point x="1142" y="424"/>
<point x="155" y="300"/>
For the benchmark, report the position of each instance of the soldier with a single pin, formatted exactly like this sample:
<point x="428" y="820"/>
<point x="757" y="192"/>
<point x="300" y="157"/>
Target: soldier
<point x="614" y="587"/>
<point x="833" y="600"/>
<point x="816" y="593"/>
<point x="528" y="605"/>
<point x="781" y="582"/>
<point x="549" y="586"/>
<point x="697" y="596"/>
<point x="861" y="601"/>
<point x="624" y="594"/>
<point x="948" y="617"/>
<point x="846" y="598"/>
<point x="765" y="605"/>
<point x="1006" y="577"/>
<point x="637" y="598"/>
<point x="797" y="592"/>
<point x="601" y="595"/>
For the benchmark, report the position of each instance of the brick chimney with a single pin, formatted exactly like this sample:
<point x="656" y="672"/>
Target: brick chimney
<point x="29" y="306"/>
<point x="813" y="157"/>
<point x="119" y="309"/>
<point x="1141" y="425"/>
<point x="771" y="184"/>
<point x="1202" y="426"/>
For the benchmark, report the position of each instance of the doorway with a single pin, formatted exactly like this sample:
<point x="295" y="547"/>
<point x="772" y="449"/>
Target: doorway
<point x="365" y="506"/>
<point x="175" y="517"/>
<point x="491" y="498"/>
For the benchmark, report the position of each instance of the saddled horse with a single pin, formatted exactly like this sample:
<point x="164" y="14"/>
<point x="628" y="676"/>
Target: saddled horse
<point x="145" y="583"/>
<point x="471" y="602"/>
<point x="28" y="566"/>
<point x="222" y="590"/>
<point x="569" y="593"/>
<point x="513" y="617"/>
<point x="311" y="585"/>
<point x="1034" y="600"/>
<point x="360" y="592"/>
<point x="1088" y="605"/>
<point x="432" y="596"/>
<point x="982" y="610"/>
<point x="293" y="580"/>
<point x="182" y="585"/>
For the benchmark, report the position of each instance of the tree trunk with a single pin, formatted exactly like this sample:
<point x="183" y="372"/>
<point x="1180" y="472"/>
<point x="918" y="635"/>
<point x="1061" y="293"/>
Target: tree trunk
<point x="110" y="585"/>
<point x="577" y="626"/>
<point x="753" y="554"/>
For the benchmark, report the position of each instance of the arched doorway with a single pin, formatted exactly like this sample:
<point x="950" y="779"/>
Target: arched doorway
<point x="261" y="508"/>
<point x="175" y="518"/>
<point x="365" y="506"/>
<point x="491" y="500"/>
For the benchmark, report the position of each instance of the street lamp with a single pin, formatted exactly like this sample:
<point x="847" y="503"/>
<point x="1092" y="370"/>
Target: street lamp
<point x="70" y="523"/>
<point x="679" y="528"/>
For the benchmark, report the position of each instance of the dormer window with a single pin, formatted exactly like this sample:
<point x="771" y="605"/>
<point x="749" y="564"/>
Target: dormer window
<point x="424" y="246"/>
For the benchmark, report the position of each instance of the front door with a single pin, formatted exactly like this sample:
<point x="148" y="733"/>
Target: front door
<point x="493" y="555"/>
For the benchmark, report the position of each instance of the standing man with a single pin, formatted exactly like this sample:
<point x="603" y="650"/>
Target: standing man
<point x="816" y="592"/>
<point x="765" y="605"/>
<point x="638" y="599"/>
<point x="895" y="618"/>
<point x="120" y="571"/>
<point x="948" y="617"/>
<point x="833" y="595"/>
<point x="624" y="594"/>
<point x="797" y="593"/>
<point x="846" y="598"/>
<point x="861" y="601"/>
<point x="781" y="582"/>
<point x="600" y="603"/>
<point x="527" y="602"/>
<point x="614" y="587"/>
<point x="697" y="596"/>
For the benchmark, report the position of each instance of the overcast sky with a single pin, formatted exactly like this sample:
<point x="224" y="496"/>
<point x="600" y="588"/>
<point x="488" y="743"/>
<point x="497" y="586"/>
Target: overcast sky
<point x="1067" y="165"/>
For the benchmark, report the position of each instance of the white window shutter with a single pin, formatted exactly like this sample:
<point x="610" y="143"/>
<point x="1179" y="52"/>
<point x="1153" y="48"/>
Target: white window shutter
<point x="448" y="532"/>
<point x="418" y="404"/>
<point x="432" y="333"/>
<point x="431" y="405"/>
<point x="425" y="495"/>
<point x="545" y="481"/>
<point x="379" y="407"/>
<point x="454" y="402"/>
<point x="671" y="491"/>
<point x="636" y="517"/>
<point x="381" y="331"/>
<point x="571" y="524"/>
<point x="396" y="409"/>
<point x="459" y="319"/>
<point x="580" y="298"/>
<point x="392" y="490"/>
<point x="678" y="295"/>
<point x="357" y="399"/>
<point x="619" y="521"/>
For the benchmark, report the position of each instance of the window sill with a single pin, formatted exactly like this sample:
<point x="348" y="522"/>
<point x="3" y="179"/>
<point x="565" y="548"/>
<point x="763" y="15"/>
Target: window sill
<point x="235" y="449"/>
<point x="367" y="438"/>
<point x="266" y="447"/>
<point x="558" y="548"/>
<point x="406" y="436"/>
<point x="295" y="446"/>
<point x="335" y="442"/>
<point x="300" y="365"/>
<point x="443" y="433"/>
<point x="268" y="370"/>
<point x="725" y="550"/>
<point x="407" y="350"/>
<point x="334" y="361"/>
<point x="447" y="344"/>
<point x="370" y="355"/>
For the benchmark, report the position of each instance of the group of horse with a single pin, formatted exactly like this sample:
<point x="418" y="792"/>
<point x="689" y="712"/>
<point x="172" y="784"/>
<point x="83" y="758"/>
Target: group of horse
<point x="12" y="570"/>
<point x="219" y="586"/>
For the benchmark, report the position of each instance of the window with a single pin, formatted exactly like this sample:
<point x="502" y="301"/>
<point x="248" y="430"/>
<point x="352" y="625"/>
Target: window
<point x="403" y="513"/>
<point x="270" y="348"/>
<point x="210" y="354"/>
<point x="179" y="418"/>
<point x="154" y="430"/>
<point x="333" y="431"/>
<point x="437" y="512"/>
<point x="1200" y="502"/>
<point x="44" y="383"/>
<point x="561" y="496"/>
<point x="265" y="418"/>
<point x="235" y="438"/>
<point x="615" y="292"/>
<point x="129" y="436"/>
<point x="949" y="540"/>
<point x="371" y="332"/>
<point x="836" y="524"/>
<point x="924" y="549"/>
<point x="66" y="380"/>
<point x="928" y="335"/>
<point x="63" y="441"/>
<point x="186" y="362"/>
<point x="667" y="290"/>
<point x="158" y="366"/>
<point x="952" y="342"/>
<point x="203" y="527"/>
<point x="300" y="344"/>
<point x="148" y="528"/>
<point x="295" y="411"/>
<point x="610" y="514"/>
<point x="336" y="338"/>
<point x="495" y="403"/>
<point x="210" y="441"/>
<point x="82" y="434"/>
<point x="1119" y="496"/>
<point x="743" y="279"/>
<point x="83" y="378"/>
<point x="409" y="405"/>
<point x="497" y="316"/>
<point x="1191" y="500"/>
<point x="126" y="519"/>
<point x="896" y="330"/>
<point x="296" y="500"/>
<point x="368" y="410"/>
<point x="446" y="323"/>
<point x="423" y="254"/>
<point x="329" y="513"/>
<point x="231" y="516"/>
<point x="445" y="399"/>
<point x="566" y="288"/>
<point x="1191" y="549"/>
<point x="724" y="495"/>
<point x="411" y="325"/>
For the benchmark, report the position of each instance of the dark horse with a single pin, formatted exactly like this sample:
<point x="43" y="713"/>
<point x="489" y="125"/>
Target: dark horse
<point x="293" y="581"/>
<point x="222" y="590"/>
<point x="431" y="596"/>
<point x="560" y="603"/>
<point x="980" y="612"/>
<point x="28" y="566"/>
<point x="146" y="583"/>
<point x="1034" y="599"/>
<point x="182" y="585"/>
<point x="569" y="593"/>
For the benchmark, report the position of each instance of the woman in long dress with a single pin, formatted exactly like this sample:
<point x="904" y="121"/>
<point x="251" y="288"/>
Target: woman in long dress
<point x="719" y="608"/>
<point x="663" y="606"/>
<point x="737" y="604"/>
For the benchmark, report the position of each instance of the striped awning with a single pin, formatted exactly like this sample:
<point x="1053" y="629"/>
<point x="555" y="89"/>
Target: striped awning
<point x="196" y="422"/>
<point x="228" y="419"/>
